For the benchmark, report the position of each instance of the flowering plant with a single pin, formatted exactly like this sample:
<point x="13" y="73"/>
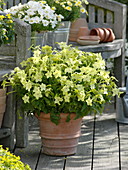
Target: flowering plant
<point x="10" y="161"/>
<point x="62" y="81"/>
<point x="6" y="29"/>
<point x="70" y="9"/>
<point x="39" y="15"/>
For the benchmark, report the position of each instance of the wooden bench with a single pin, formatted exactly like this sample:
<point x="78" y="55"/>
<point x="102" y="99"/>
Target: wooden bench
<point x="10" y="56"/>
<point x="101" y="13"/>
<point x="109" y="14"/>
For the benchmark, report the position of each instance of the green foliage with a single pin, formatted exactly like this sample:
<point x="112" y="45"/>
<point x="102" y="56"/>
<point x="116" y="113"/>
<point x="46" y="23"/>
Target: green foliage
<point x="62" y="81"/>
<point x="9" y="161"/>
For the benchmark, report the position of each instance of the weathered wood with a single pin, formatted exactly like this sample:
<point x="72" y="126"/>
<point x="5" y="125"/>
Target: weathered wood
<point x="83" y="158"/>
<point x="9" y="121"/>
<point x="119" y="16"/>
<point x="123" y="130"/>
<point x="31" y="153"/>
<point x="106" y="149"/>
<point x="23" y="31"/>
<point x="49" y="162"/>
<point x="11" y="56"/>
<point x="8" y="50"/>
<point x="5" y="132"/>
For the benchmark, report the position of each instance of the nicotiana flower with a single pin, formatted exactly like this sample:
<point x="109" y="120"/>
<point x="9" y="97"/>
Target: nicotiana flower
<point x="63" y="81"/>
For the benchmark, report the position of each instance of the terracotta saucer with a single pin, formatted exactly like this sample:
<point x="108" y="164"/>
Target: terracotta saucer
<point x="90" y="38"/>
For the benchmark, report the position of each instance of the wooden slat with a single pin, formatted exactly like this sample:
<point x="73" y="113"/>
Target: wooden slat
<point x="8" y="50"/>
<point x="50" y="162"/>
<point x="106" y="149"/>
<point x="109" y="17"/>
<point x="91" y="13"/>
<point x="30" y="154"/>
<point x="124" y="145"/>
<point x="100" y="15"/>
<point x="83" y="158"/>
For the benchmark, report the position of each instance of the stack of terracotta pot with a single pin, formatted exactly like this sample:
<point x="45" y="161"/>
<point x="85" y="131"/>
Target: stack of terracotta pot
<point x="80" y="33"/>
<point x="105" y="34"/>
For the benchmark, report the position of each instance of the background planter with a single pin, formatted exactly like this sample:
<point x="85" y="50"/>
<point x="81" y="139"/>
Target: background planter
<point x="2" y="104"/>
<point x="61" y="34"/>
<point x="61" y="139"/>
<point x="39" y="38"/>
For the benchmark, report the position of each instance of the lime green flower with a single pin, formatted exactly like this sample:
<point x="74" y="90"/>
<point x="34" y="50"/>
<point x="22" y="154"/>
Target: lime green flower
<point x="8" y="161"/>
<point x="58" y="100"/>
<point x="37" y="93"/>
<point x="89" y="101"/>
<point x="25" y="98"/>
<point x="67" y="97"/>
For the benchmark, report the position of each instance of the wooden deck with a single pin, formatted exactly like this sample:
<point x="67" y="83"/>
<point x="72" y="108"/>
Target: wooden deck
<point x="103" y="145"/>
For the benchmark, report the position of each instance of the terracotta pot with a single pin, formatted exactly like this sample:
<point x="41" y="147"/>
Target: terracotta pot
<point x="74" y="29"/>
<point x="61" y="139"/>
<point x="83" y="31"/>
<point x="98" y="32"/>
<point x="111" y="36"/>
<point x="106" y="34"/>
<point x="2" y="104"/>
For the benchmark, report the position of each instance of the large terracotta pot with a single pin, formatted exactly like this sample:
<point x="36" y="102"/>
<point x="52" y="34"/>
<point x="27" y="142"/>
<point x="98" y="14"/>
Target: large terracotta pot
<point x="61" y="139"/>
<point x="2" y="104"/>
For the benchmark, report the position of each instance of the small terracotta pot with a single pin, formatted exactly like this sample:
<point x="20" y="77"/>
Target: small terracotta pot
<point x="99" y="32"/>
<point x="83" y="31"/>
<point x="111" y="36"/>
<point x="74" y="28"/>
<point x="61" y="139"/>
<point x="106" y="34"/>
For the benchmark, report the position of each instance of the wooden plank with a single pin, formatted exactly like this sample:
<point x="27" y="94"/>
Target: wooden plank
<point x="109" y="17"/>
<point x="100" y="15"/>
<point x="106" y="149"/>
<point x="123" y="128"/>
<point x="50" y="162"/>
<point x="4" y="132"/>
<point x="30" y="154"/>
<point x="91" y="14"/>
<point x="9" y="121"/>
<point x="83" y="158"/>
<point x="8" y="50"/>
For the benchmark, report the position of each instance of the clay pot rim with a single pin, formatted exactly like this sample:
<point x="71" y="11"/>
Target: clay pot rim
<point x="62" y="115"/>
